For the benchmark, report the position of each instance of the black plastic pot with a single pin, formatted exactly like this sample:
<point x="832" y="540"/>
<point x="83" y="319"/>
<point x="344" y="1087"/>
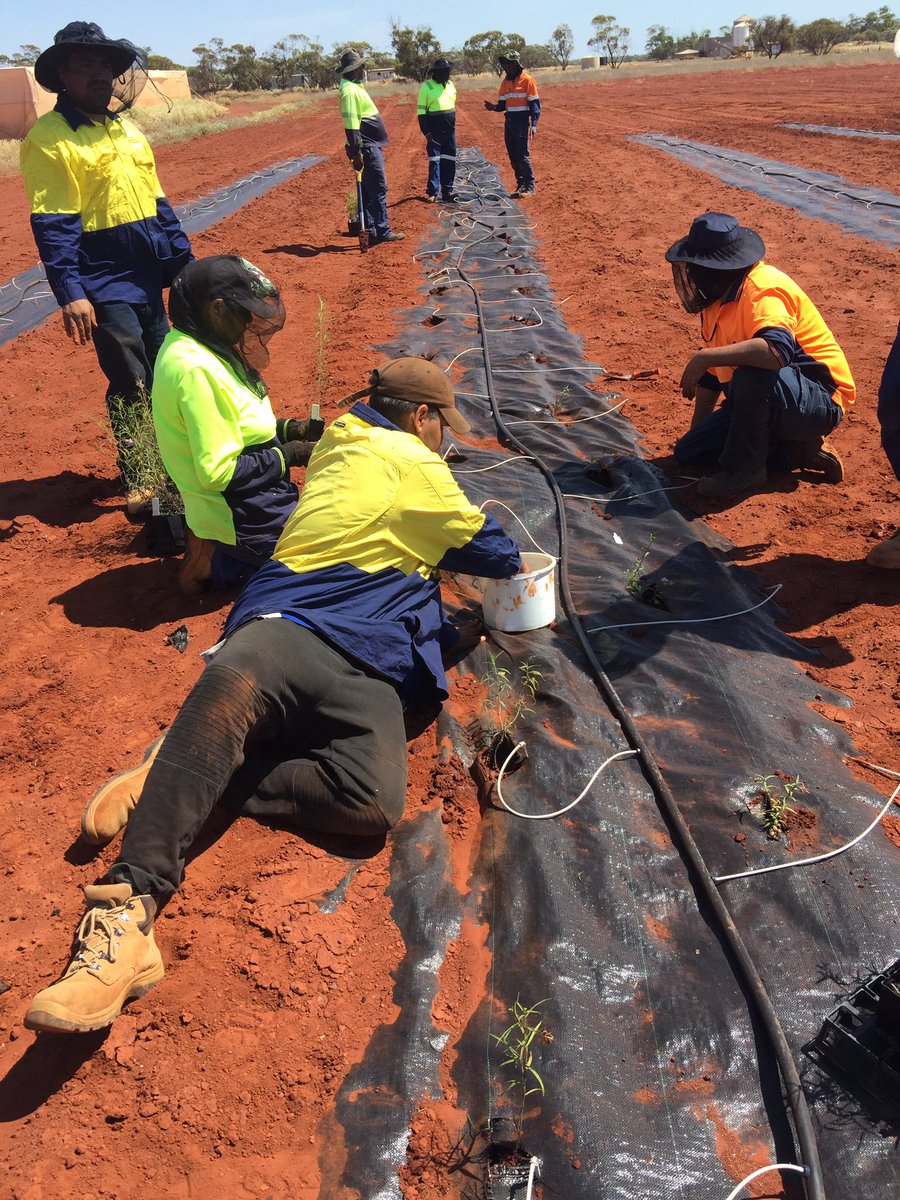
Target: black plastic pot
<point x="353" y="226"/>
<point x="165" y="531"/>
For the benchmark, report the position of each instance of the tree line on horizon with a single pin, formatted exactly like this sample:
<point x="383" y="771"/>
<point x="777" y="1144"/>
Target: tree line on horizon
<point x="240" y="68"/>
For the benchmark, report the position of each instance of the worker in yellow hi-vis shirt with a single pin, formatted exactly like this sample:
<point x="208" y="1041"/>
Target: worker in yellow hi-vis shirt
<point x="437" y="120"/>
<point x="366" y="135"/>
<point x="106" y="234"/>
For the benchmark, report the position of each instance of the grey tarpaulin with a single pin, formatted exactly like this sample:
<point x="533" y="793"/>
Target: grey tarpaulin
<point x="843" y="131"/>
<point x="26" y="300"/>
<point x="659" y="1083"/>
<point x="865" y="211"/>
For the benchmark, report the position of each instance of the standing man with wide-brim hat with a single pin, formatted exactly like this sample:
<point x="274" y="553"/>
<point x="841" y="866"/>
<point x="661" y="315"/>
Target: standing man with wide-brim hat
<point x="366" y="137"/>
<point x="518" y="98"/>
<point x="437" y="119"/>
<point x="785" y="379"/>
<point x="106" y="234"/>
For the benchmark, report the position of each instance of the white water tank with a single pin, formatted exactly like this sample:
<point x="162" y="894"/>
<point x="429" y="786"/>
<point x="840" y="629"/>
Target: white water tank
<point x="740" y="31"/>
<point x="590" y="62"/>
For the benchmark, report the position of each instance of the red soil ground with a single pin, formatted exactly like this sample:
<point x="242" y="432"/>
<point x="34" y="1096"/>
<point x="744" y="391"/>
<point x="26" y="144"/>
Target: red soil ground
<point x="216" y="1083"/>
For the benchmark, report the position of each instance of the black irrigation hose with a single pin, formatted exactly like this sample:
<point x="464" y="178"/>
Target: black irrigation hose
<point x="796" y="1098"/>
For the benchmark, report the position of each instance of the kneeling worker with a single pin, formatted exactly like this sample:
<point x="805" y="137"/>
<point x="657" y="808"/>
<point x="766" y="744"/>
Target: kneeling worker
<point x="300" y="714"/>
<point x="786" y="380"/>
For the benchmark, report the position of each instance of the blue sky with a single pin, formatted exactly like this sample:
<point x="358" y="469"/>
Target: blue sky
<point x="173" y="27"/>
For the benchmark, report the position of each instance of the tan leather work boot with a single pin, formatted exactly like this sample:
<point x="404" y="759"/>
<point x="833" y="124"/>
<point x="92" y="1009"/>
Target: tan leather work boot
<point x="137" y="501"/>
<point x="110" y="807"/>
<point x="115" y="960"/>
<point x="195" y="575"/>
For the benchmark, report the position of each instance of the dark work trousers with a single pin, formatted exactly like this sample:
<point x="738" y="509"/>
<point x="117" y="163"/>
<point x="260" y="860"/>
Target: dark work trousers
<point x="762" y="410"/>
<point x="889" y="406"/>
<point x="291" y="730"/>
<point x="127" y="340"/>
<point x="441" y="164"/>
<point x="374" y="188"/>
<point x="517" y="147"/>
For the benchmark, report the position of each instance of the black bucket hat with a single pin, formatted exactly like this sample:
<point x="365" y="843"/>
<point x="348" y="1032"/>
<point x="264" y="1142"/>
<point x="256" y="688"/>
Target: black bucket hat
<point x="84" y="35"/>
<point x="718" y="241"/>
<point x="350" y="61"/>
<point x="441" y="64"/>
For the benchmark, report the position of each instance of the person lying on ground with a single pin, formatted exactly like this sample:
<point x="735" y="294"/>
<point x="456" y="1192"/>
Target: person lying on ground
<point x="332" y="649"/>
<point x="366" y="135"/>
<point x="436" y="111"/>
<point x="887" y="553"/>
<point x="518" y="98"/>
<point x="218" y="437"/>
<point x="106" y="234"/>
<point x="785" y="379"/>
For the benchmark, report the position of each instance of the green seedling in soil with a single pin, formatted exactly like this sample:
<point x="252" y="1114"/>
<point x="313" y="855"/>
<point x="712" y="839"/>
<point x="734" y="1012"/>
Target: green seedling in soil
<point x="517" y="1042"/>
<point x="323" y="377"/>
<point x="776" y="795"/>
<point x="637" y="570"/>
<point x="131" y="431"/>
<point x="352" y="206"/>
<point x="557" y="405"/>
<point x="508" y="698"/>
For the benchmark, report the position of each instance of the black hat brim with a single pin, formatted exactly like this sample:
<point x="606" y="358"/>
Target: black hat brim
<point x="46" y="69"/>
<point x="745" y="251"/>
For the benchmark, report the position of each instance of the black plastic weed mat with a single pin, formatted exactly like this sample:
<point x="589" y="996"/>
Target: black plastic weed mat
<point x="655" y="1080"/>
<point x="26" y="300"/>
<point x="864" y="211"/>
<point x="879" y="135"/>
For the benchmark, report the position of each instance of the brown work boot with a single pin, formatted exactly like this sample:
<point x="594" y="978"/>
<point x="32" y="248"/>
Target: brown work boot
<point x="731" y="483"/>
<point x="195" y="575"/>
<point x="137" y="501"/>
<point x="109" y="809"/>
<point x="886" y="554"/>
<point x="115" y="960"/>
<point x="820" y="456"/>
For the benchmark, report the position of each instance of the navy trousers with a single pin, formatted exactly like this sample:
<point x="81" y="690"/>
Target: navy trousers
<point x="516" y="135"/>
<point x="441" y="164"/>
<point x="762" y="409"/>
<point x="889" y="406"/>
<point x="127" y="340"/>
<point x="374" y="188"/>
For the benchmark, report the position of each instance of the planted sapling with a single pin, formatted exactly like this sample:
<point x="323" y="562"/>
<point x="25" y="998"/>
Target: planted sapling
<point x="775" y="796"/>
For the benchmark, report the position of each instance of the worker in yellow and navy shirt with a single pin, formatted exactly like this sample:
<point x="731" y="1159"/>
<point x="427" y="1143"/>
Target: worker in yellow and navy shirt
<point x="786" y="381"/>
<point x="332" y="650"/>
<point x="366" y="135"/>
<point x="106" y="234"/>
<point x="437" y="119"/>
<point x="518" y="98"/>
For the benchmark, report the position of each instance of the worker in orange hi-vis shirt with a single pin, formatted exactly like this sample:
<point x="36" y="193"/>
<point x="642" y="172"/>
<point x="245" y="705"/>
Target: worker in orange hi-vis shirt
<point x="519" y="99"/>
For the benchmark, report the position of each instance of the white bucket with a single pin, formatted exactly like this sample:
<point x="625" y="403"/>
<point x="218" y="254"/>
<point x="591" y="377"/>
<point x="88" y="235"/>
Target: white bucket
<point x="526" y="601"/>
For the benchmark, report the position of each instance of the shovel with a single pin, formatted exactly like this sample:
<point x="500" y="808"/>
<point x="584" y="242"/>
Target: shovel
<point x="363" y="232"/>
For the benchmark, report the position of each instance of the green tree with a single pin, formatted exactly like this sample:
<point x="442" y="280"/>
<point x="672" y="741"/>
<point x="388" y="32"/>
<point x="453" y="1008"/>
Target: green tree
<point x="159" y="62"/>
<point x="610" y="38"/>
<point x="821" y="36"/>
<point x="773" y="35"/>
<point x="660" y="44"/>
<point x="480" y="51"/>
<point x="206" y="75"/>
<point x="27" y="55"/>
<point x="537" y="56"/>
<point x="879" y="26"/>
<point x="282" y="61"/>
<point x="414" y="50"/>
<point x="561" y="45"/>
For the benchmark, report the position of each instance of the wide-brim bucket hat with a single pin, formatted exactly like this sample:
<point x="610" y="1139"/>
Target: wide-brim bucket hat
<point x="351" y="60"/>
<point x="83" y="35"/>
<point x="718" y="240"/>
<point x="510" y="56"/>
<point x="441" y="64"/>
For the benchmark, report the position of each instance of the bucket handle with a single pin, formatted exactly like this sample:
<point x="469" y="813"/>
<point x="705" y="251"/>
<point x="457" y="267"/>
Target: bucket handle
<point x="521" y="522"/>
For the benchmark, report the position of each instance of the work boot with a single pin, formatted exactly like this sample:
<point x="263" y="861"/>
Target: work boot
<point x="115" y="960"/>
<point x="730" y="483"/>
<point x="886" y="554"/>
<point x="523" y="193"/>
<point x="195" y="574"/>
<point x="393" y="237"/>
<point x="429" y="199"/>
<point x="109" y="809"/>
<point x="818" y="455"/>
<point x="450" y="198"/>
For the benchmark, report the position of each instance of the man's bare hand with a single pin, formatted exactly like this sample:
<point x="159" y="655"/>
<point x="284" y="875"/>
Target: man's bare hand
<point x="357" y="162"/>
<point x="691" y="376"/>
<point x="80" y="320"/>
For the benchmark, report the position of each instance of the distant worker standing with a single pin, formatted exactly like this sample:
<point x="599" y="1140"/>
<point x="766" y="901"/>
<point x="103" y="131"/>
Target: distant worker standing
<point x="518" y="98"/>
<point x="437" y="120"/>
<point x="366" y="135"/>
<point x="106" y="234"/>
<point x="785" y="378"/>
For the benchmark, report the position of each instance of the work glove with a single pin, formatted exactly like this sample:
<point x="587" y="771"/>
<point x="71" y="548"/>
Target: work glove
<point x="357" y="162"/>
<point x="490" y="107"/>
<point x="533" y="131"/>
<point x="289" y="430"/>
<point x="296" y="454"/>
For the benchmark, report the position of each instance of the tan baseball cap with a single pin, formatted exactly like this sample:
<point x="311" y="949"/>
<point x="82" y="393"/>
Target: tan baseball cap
<point x="419" y="382"/>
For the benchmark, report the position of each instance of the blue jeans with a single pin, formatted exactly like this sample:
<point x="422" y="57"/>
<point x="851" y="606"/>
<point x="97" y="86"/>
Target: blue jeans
<point x="374" y="188"/>
<point x="516" y="136"/>
<point x="441" y="165"/>
<point x="762" y="409"/>
<point x="889" y="406"/>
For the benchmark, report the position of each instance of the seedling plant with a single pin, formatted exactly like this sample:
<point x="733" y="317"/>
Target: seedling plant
<point x="509" y="696"/>
<point x="323" y="377"/>
<point x="777" y="794"/>
<point x="132" y="432"/>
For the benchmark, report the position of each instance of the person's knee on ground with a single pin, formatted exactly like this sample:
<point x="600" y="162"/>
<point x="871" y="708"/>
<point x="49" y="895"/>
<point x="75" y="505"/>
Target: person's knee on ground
<point x="195" y="575"/>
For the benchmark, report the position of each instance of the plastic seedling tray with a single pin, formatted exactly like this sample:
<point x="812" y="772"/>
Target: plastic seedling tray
<point x="165" y="531"/>
<point x="861" y="1039"/>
